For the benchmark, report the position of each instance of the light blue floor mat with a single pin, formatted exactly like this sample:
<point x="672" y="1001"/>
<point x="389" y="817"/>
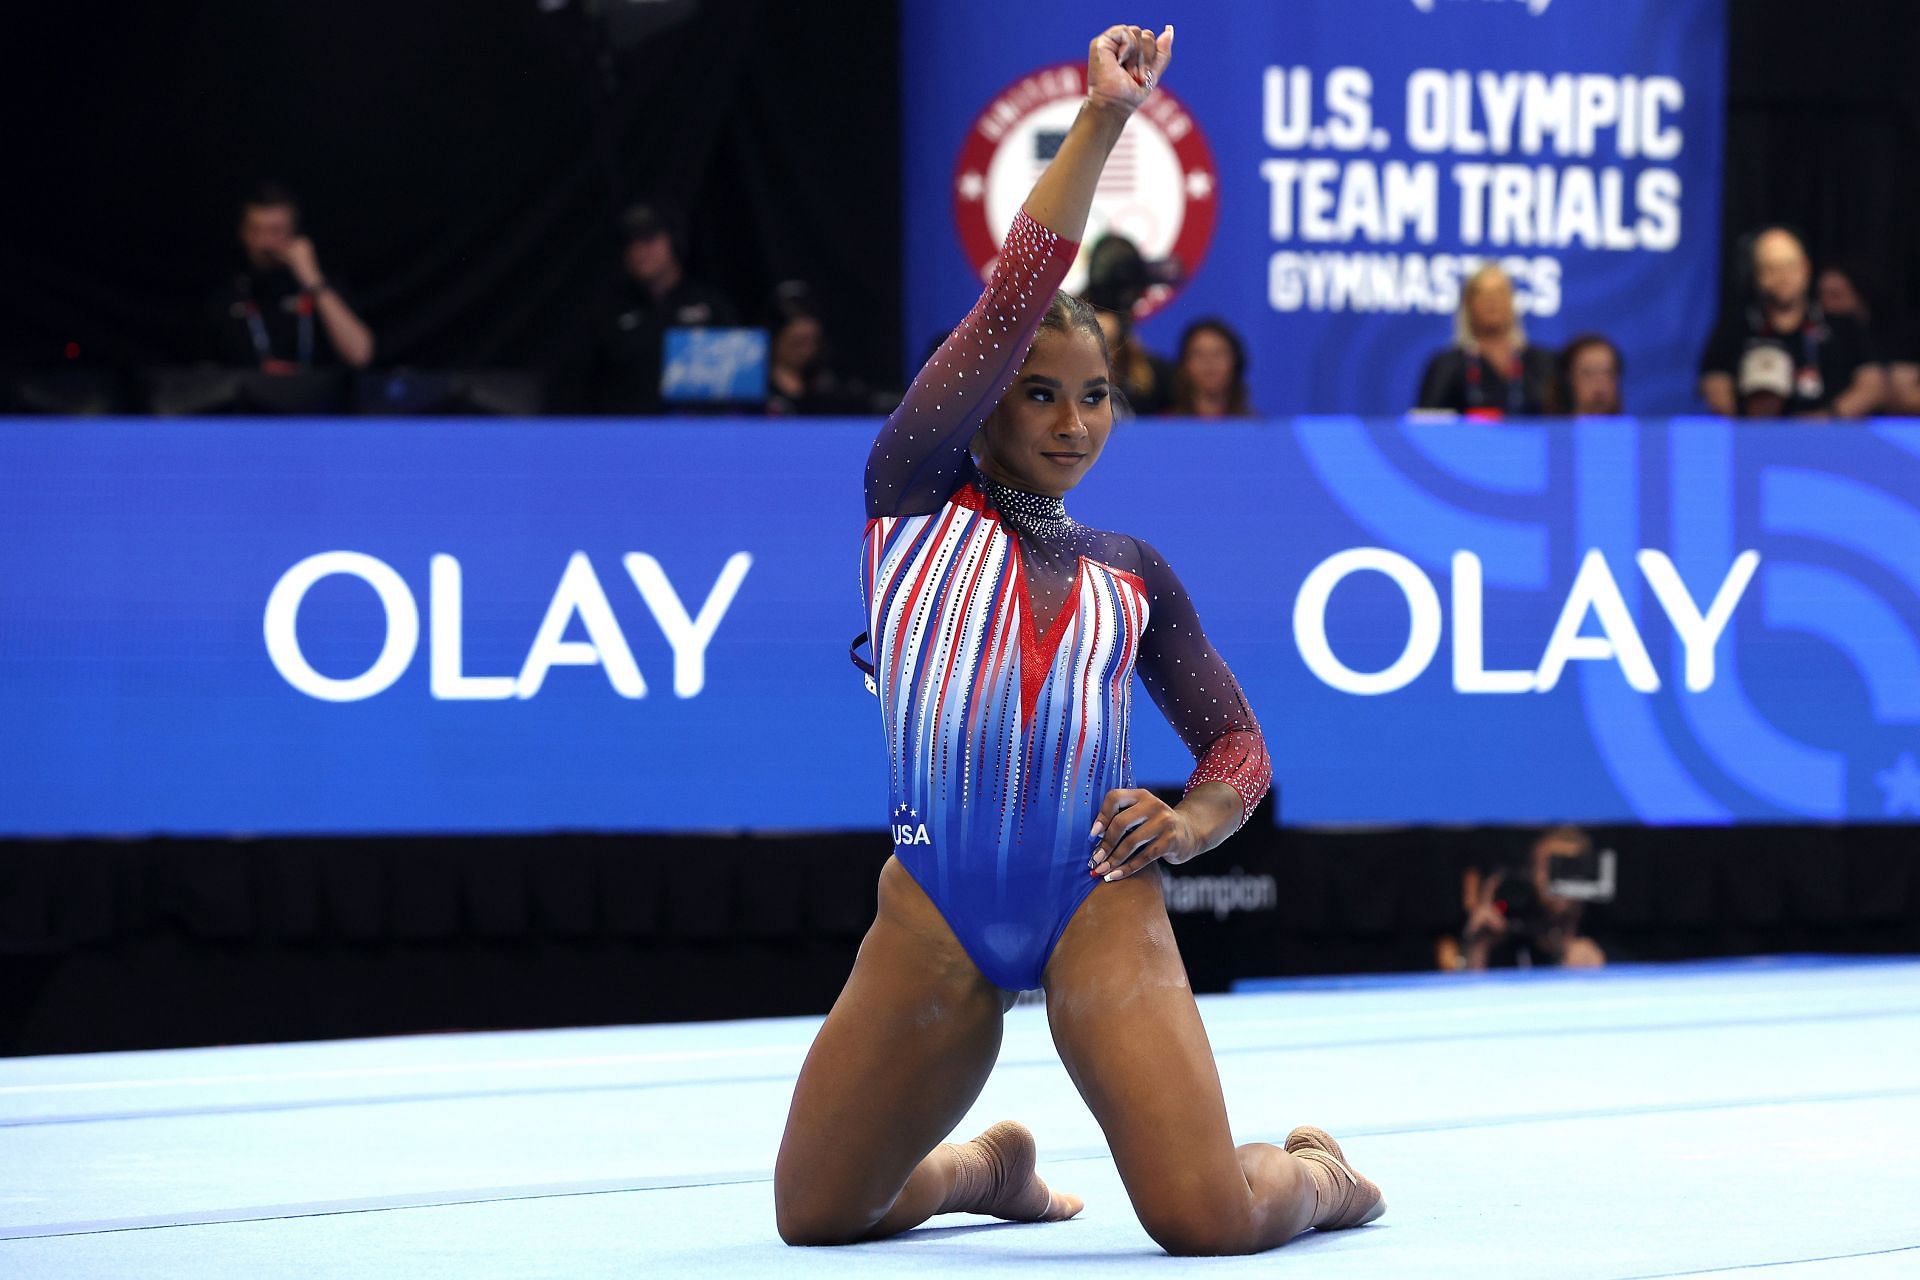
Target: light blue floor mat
<point x="1646" y="1121"/>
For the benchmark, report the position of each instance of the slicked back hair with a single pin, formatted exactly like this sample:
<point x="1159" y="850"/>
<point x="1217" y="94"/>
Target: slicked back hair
<point x="1068" y="314"/>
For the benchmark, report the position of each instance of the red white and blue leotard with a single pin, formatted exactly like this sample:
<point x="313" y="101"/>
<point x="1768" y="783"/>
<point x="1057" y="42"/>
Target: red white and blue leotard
<point x="1006" y="636"/>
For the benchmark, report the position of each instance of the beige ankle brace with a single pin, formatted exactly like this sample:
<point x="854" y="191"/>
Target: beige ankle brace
<point x="1325" y="1193"/>
<point x="994" y="1175"/>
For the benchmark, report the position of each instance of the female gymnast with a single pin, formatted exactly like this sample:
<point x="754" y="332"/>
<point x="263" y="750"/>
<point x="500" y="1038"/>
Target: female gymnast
<point x="1005" y="640"/>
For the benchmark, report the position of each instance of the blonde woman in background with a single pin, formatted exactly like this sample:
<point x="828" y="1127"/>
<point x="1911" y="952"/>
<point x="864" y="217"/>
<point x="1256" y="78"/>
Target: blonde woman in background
<point x="1491" y="371"/>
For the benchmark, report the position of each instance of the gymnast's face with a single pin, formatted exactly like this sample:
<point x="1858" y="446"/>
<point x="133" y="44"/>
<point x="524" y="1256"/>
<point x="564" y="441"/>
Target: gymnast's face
<point x="1053" y="422"/>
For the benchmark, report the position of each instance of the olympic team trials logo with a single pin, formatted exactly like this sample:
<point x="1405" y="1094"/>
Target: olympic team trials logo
<point x="1159" y="188"/>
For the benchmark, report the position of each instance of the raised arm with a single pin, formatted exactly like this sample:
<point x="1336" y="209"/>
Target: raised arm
<point x="1191" y="684"/>
<point x="920" y="456"/>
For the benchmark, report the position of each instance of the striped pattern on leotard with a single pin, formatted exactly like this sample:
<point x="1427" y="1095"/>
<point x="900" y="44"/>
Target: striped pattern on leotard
<point x="1002" y="742"/>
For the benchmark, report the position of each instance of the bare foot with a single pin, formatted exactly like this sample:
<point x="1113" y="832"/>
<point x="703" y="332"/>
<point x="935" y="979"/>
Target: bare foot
<point x="996" y="1177"/>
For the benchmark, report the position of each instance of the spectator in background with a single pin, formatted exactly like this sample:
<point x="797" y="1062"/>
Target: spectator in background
<point x="1838" y="293"/>
<point x="1118" y="277"/>
<point x="1903" y="376"/>
<point x="1143" y="377"/>
<point x="1490" y="371"/>
<point x="1763" y="387"/>
<point x="654" y="294"/>
<point x="1830" y="358"/>
<point x="1590" y="369"/>
<point x="800" y="378"/>
<point x="1210" y="376"/>
<point x="282" y="314"/>
<point x="1514" y="917"/>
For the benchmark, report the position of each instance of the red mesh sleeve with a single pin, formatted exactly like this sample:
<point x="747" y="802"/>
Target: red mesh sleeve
<point x="1191" y="684"/>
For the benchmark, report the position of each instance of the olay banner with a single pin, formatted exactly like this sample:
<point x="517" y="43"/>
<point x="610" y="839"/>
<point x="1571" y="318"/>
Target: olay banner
<point x="362" y="626"/>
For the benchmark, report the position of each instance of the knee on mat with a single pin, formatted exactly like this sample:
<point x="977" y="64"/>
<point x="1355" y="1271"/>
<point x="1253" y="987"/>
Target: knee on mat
<point x="1198" y="1233"/>
<point x="802" y="1223"/>
<point x="815" y="1229"/>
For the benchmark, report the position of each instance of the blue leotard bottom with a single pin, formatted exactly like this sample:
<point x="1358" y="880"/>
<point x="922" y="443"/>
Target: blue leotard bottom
<point x="1009" y="936"/>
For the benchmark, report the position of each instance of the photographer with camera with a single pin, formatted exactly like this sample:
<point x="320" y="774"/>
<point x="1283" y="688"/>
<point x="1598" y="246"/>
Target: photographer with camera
<point x="1516" y="918"/>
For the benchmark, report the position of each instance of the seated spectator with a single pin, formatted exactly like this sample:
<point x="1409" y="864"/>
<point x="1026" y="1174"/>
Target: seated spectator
<point x="1837" y="291"/>
<point x="1490" y="372"/>
<point x="1903" y="375"/>
<point x="1830" y="358"/>
<point x="800" y="378"/>
<point x="1118" y="276"/>
<point x="1514" y="917"/>
<point x="1590" y="369"/>
<point x="1210" y="376"/>
<point x="1143" y="378"/>
<point x="281" y="314"/>
<point x="653" y="294"/>
<point x="1763" y="388"/>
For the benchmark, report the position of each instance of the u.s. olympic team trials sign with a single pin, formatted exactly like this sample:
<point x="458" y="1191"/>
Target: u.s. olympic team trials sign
<point x="1327" y="172"/>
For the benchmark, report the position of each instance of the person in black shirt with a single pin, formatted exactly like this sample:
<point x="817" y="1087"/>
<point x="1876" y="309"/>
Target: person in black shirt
<point x="1118" y="277"/>
<point x="1903" y="372"/>
<point x="1490" y="372"/>
<point x="801" y="378"/>
<point x="1834" y="369"/>
<point x="654" y="294"/>
<point x="1838" y="292"/>
<point x="1143" y="377"/>
<point x="281" y="314"/>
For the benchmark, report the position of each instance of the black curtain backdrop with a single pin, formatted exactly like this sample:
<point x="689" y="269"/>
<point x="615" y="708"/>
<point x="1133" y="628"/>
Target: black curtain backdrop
<point x="460" y="164"/>
<point x="1823" y="135"/>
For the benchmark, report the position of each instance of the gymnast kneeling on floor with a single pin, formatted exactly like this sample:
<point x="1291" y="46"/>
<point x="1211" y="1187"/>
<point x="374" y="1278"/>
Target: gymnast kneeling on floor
<point x="1005" y="638"/>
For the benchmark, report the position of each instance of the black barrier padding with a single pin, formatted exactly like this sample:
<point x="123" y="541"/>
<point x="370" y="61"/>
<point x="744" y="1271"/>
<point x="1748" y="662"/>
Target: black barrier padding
<point x="497" y="888"/>
<point x="564" y="895"/>
<point x="118" y="945"/>
<point x="1305" y="875"/>
<point x="423" y="893"/>
<point x="630" y="897"/>
<point x="1751" y="874"/>
<point x="1684" y="896"/>
<point x="699" y="894"/>
<point x="1815" y="878"/>
<point x="288" y="901"/>
<point x="352" y="887"/>
<point x="1881" y="881"/>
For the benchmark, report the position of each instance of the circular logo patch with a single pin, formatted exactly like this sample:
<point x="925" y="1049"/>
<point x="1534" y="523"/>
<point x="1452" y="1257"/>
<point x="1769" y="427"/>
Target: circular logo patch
<point x="1159" y="188"/>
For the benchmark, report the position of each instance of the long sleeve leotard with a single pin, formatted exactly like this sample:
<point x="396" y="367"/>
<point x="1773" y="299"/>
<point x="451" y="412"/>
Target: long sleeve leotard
<point x="1006" y="635"/>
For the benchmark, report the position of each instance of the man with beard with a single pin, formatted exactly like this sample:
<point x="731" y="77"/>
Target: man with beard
<point x="282" y="314"/>
<point x="1835" y="374"/>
